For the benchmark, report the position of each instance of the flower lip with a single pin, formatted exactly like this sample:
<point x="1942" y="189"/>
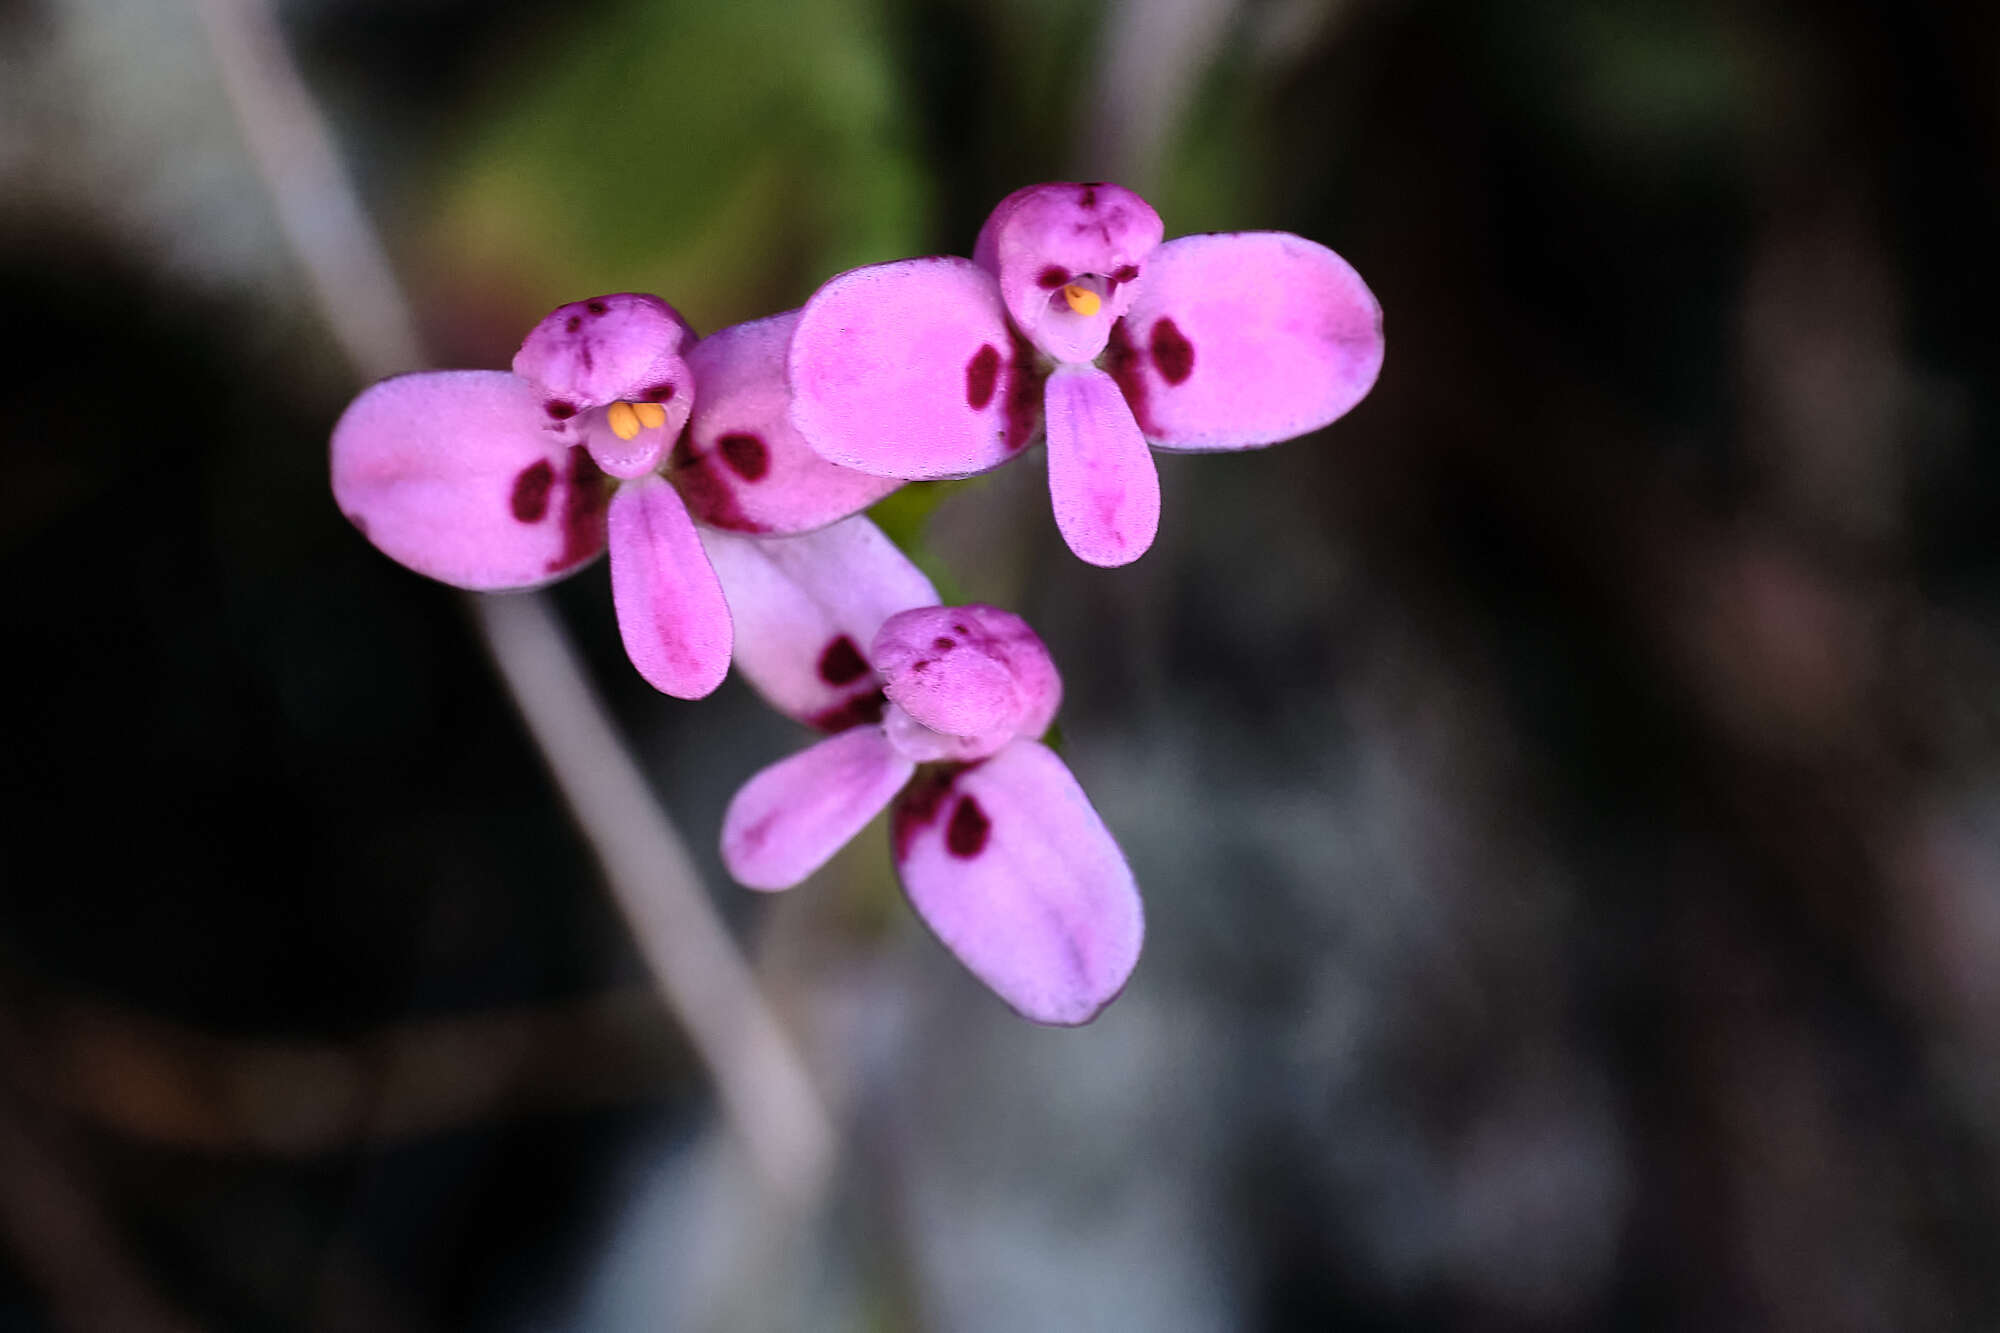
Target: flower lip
<point x="1046" y="240"/>
<point x="975" y="676"/>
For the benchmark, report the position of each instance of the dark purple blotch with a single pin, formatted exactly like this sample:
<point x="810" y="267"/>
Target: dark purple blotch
<point x="842" y="662"/>
<point x="965" y="837"/>
<point x="863" y="709"/>
<point x="585" y="499"/>
<point x="746" y="455"/>
<point x="1172" y="353"/>
<point x="981" y="374"/>
<point x="530" y="500"/>
<point x="1053" y="277"/>
<point x="559" y="410"/>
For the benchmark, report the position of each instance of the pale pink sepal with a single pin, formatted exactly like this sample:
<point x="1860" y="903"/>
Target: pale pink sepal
<point x="1015" y="873"/>
<point x="1102" y="481"/>
<point x="1243" y="339"/>
<point x="742" y="466"/>
<point x="791" y="818"/>
<point x="911" y="370"/>
<point x="451" y="473"/>
<point x="806" y="610"/>
<point x="670" y="608"/>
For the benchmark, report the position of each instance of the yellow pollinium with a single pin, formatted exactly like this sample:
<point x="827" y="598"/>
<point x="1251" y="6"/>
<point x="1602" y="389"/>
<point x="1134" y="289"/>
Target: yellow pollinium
<point x="626" y="419"/>
<point x="1082" y="300"/>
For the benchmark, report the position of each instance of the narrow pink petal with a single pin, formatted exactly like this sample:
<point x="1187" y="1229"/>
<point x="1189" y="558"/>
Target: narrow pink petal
<point x="453" y="474"/>
<point x="806" y="609"/>
<point x="669" y="603"/>
<point x="1012" y="869"/>
<point x="1243" y="339"/>
<point x="911" y="370"/>
<point x="791" y="818"/>
<point x="1101" y="477"/>
<point x="742" y="466"/>
<point x="589" y="353"/>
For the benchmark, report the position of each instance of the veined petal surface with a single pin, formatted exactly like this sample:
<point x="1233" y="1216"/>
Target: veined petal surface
<point x="806" y="610"/>
<point x="1242" y="339"/>
<point x="790" y="819"/>
<point x="911" y="370"/>
<point x="742" y="466"/>
<point x="1011" y="868"/>
<point x="452" y="474"/>
<point x="671" y="614"/>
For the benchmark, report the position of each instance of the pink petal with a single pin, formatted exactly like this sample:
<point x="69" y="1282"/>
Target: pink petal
<point x="640" y="454"/>
<point x="742" y="466"/>
<point x="1045" y="237"/>
<point x="589" y="353"/>
<point x="1102" y="480"/>
<point x="1012" y="869"/>
<point x="911" y="370"/>
<point x="975" y="672"/>
<point x="1244" y="339"/>
<point x="669" y="604"/>
<point x="806" y="609"/>
<point x="453" y="474"/>
<point x="791" y="818"/>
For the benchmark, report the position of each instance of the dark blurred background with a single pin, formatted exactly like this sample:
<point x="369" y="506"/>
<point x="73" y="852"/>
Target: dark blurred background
<point x="1566" y="791"/>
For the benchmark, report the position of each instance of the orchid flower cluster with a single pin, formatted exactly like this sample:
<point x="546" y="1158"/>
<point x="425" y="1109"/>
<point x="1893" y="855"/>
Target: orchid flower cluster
<point x="727" y="476"/>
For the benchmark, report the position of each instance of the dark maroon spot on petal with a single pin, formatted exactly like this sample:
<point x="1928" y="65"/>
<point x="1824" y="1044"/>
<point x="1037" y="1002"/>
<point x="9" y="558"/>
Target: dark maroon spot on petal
<point x="1089" y="197"/>
<point x="584" y="503"/>
<point x="558" y="409"/>
<point x="710" y="495"/>
<point x="917" y="808"/>
<point x="863" y="709"/>
<point x="660" y="393"/>
<point x="746" y="455"/>
<point x="842" y="662"/>
<point x="980" y="375"/>
<point x="1024" y="393"/>
<point x="596" y="307"/>
<point x="1053" y="277"/>
<point x="943" y="643"/>
<point x="1124" y="273"/>
<point x="1173" y="354"/>
<point x="1124" y="364"/>
<point x="966" y="836"/>
<point x="960" y="628"/>
<point x="531" y="491"/>
<point x="574" y="323"/>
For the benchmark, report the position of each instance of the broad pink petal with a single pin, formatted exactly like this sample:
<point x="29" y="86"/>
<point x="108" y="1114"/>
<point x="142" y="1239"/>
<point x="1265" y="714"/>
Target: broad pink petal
<point x="911" y="370"/>
<point x="742" y="466"/>
<point x="975" y="672"/>
<point x="1102" y="480"/>
<point x="1243" y="339"/>
<point x="452" y="474"/>
<point x="623" y="346"/>
<point x="806" y="608"/>
<point x="1044" y="237"/>
<point x="669" y="603"/>
<point x="1012" y="869"/>
<point x="791" y="818"/>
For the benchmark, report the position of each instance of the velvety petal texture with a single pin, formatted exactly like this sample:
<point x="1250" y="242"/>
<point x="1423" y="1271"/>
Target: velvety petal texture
<point x="791" y="818"/>
<point x="625" y="346"/>
<point x="1102" y="481"/>
<point x="452" y="474"/>
<point x="1091" y="238"/>
<point x="973" y="672"/>
<point x="911" y="370"/>
<point x="806" y="610"/>
<point x="1243" y="339"/>
<point x="742" y="466"/>
<point x="669" y="603"/>
<point x="1011" y="868"/>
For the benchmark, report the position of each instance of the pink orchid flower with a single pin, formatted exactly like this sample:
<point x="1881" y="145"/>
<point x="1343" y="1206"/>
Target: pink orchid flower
<point x="999" y="850"/>
<point x="1072" y="314"/>
<point x="616" y="427"/>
